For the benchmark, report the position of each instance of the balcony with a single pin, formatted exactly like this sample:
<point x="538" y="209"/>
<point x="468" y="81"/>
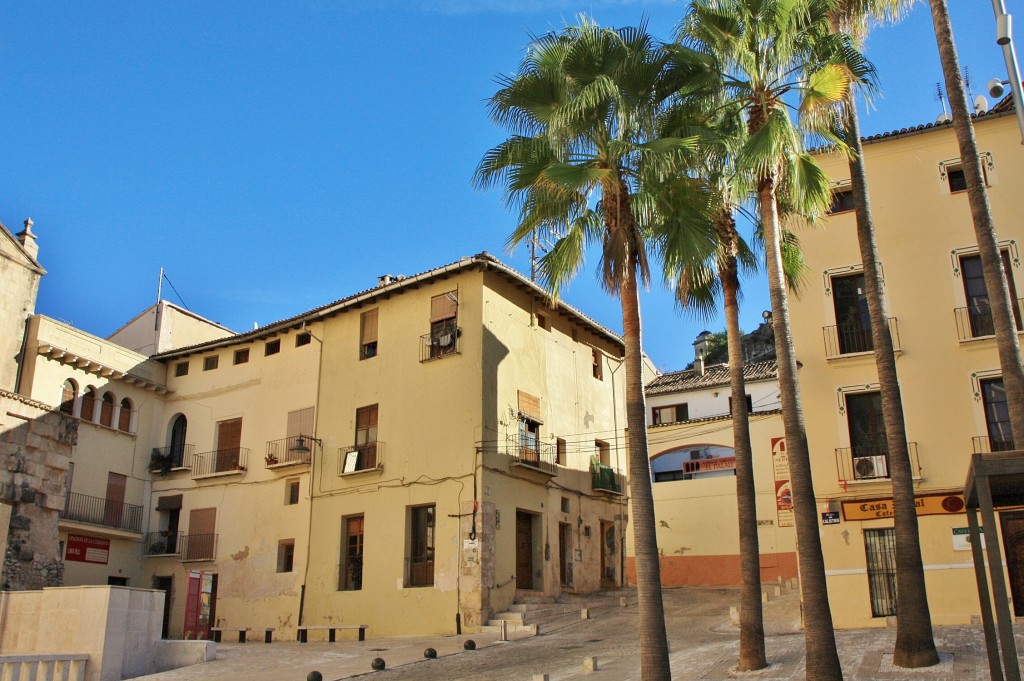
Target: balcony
<point x="984" y="444"/>
<point x="105" y="512"/>
<point x="868" y="463"/>
<point x="220" y="462"/>
<point x="531" y="455"/>
<point x="605" y="478"/>
<point x="850" y="339"/>
<point x="195" y="547"/>
<point x="290" y="451"/>
<point x="163" y="543"/>
<point x="165" y="459"/>
<point x="976" y="321"/>
<point x="361" y="458"/>
<point x="437" y="345"/>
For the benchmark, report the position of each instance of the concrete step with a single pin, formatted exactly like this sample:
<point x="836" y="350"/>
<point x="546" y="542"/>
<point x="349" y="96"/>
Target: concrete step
<point x="494" y="626"/>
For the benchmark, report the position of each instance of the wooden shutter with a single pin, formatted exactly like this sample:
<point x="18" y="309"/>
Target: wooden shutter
<point x="114" y="505"/>
<point x="529" y="405"/>
<point x="300" y="422"/>
<point x="229" y="441"/>
<point x="368" y="330"/>
<point x="202" y="526"/>
<point x="444" y="306"/>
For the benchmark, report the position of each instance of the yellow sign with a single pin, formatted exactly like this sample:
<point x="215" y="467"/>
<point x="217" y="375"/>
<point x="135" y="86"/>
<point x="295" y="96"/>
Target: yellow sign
<point x="931" y="504"/>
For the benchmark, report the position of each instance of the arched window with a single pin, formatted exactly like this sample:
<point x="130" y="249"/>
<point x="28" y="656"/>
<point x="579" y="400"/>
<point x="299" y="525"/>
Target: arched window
<point x="67" y="397"/>
<point x="89" y="404"/>
<point x="124" y="418"/>
<point x="178" y="431"/>
<point x="107" y="410"/>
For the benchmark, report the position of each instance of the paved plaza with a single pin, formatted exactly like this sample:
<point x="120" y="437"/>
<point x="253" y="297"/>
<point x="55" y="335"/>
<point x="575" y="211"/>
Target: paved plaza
<point x="703" y="643"/>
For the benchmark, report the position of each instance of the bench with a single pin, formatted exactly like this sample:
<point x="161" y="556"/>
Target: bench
<point x="268" y="633"/>
<point x="331" y="628"/>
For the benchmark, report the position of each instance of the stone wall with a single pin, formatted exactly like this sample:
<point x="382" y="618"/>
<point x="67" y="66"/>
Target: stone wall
<point x="35" y="450"/>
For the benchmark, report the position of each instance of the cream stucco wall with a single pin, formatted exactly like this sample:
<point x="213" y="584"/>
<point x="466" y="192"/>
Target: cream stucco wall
<point x="20" y="275"/>
<point x="921" y="227"/>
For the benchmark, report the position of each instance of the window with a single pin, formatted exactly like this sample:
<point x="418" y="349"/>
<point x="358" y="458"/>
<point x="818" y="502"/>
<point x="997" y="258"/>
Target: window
<point x="89" y="404"/>
<point x="272" y="347"/>
<point x="853" y="323"/>
<point x="529" y="440"/>
<point x="366" y="437"/>
<point x="210" y="363"/>
<point x="107" y="410"/>
<point x="880" y="546"/>
<point x="68" y="393"/>
<point x="285" y="555"/>
<point x="368" y="334"/>
<point x="179" y="429"/>
<point x="124" y="416"/>
<point x="596" y="361"/>
<point x="181" y="369"/>
<point x="421" y="546"/>
<point x="867" y="435"/>
<point x="201" y="542"/>
<point x="953" y="172"/>
<point x="842" y="199"/>
<point x="242" y="356"/>
<point x="750" y="405"/>
<point x="565" y="504"/>
<point x="303" y="338"/>
<point x="168" y="510"/>
<point x="956" y="179"/>
<point x="351" y="577"/>
<point x="444" y="328"/>
<point x="979" y="311"/>
<point x="560" y="452"/>
<point x="670" y="414"/>
<point x="291" y="492"/>
<point x="229" y="446"/>
<point x="997" y="415"/>
<point x="543" y="322"/>
<point x="604" y="452"/>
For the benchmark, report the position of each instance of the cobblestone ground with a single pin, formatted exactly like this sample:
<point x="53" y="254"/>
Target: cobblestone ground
<point x="703" y="643"/>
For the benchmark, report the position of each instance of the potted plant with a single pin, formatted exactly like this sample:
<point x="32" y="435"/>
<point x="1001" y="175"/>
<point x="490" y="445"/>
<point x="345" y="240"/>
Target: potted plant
<point x="271" y="459"/>
<point x="160" y="463"/>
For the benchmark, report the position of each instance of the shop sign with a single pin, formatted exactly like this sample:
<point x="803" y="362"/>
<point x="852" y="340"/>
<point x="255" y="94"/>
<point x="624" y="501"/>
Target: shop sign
<point x="87" y="549"/>
<point x="783" y="488"/>
<point x="725" y="463"/>
<point x="929" y="504"/>
<point x="962" y="538"/>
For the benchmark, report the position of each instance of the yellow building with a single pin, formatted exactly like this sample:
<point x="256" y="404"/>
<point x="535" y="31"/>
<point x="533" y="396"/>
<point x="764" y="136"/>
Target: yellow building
<point x="946" y="359"/>
<point x="20" y="272"/>
<point x="413" y="457"/>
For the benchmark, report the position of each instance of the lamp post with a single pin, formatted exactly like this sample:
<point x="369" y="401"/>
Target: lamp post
<point x="1004" y="38"/>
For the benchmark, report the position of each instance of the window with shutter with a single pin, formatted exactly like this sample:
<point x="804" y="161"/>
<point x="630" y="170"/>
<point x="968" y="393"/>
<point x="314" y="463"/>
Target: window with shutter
<point x="368" y="334"/>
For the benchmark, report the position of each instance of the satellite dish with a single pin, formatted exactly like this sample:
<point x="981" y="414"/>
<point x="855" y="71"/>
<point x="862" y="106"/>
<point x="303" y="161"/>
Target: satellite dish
<point x="944" y="118"/>
<point x="995" y="88"/>
<point x="980" y="104"/>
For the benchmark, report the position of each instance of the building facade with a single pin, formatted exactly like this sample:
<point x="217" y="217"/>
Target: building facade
<point x="945" y="355"/>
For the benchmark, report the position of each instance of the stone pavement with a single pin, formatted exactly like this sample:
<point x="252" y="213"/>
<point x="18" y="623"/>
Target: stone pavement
<point x="703" y="643"/>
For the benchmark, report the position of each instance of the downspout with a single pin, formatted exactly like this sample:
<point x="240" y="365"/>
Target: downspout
<point x="312" y="473"/>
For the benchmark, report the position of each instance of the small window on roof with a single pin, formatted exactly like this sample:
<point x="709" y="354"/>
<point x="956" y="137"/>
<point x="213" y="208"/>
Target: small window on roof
<point x="302" y="339"/>
<point x="842" y="200"/>
<point x="272" y="347"/>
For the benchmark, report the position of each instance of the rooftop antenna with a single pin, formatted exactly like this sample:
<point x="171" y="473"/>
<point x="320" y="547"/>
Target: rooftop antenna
<point x="944" y="117"/>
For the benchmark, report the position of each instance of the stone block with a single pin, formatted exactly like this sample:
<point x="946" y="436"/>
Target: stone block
<point x="20" y="522"/>
<point x="590" y="664"/>
<point x="734" y="615"/>
<point x="27" y="494"/>
<point x="585" y="614"/>
<point x="541" y="677"/>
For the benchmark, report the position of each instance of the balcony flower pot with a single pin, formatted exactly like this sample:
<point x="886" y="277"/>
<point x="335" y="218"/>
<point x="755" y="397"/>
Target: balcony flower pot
<point x="271" y="460"/>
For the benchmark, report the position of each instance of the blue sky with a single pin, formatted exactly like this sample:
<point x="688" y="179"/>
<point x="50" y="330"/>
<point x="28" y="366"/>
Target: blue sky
<point x="275" y="156"/>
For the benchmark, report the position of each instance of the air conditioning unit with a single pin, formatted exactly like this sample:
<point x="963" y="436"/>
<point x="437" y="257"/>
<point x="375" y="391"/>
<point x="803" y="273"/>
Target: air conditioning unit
<point x="866" y="467"/>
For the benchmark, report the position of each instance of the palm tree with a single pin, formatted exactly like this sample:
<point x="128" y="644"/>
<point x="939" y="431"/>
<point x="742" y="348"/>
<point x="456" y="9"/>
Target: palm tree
<point x="769" y="50"/>
<point x="984" y="228"/>
<point x="915" y="644"/>
<point x="582" y="110"/>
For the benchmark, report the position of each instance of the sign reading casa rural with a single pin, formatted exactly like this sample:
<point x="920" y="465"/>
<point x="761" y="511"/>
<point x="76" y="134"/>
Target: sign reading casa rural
<point x="929" y="504"/>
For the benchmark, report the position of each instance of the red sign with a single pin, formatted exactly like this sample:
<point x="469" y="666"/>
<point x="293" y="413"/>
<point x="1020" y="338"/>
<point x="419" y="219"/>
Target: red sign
<point x="783" y="488"/>
<point x="87" y="549"/>
<point x="725" y="463"/>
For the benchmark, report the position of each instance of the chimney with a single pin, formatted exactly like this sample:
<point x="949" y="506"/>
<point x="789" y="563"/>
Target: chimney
<point x="384" y="280"/>
<point x="700" y="346"/>
<point x="28" y="240"/>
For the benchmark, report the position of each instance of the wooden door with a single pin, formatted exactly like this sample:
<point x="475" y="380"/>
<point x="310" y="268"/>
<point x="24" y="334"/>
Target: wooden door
<point x="609" y="553"/>
<point x="1013" y="544"/>
<point x="113" y="506"/>
<point x="565" y="553"/>
<point x="192" y="629"/>
<point x="229" y="441"/>
<point x="524" y="550"/>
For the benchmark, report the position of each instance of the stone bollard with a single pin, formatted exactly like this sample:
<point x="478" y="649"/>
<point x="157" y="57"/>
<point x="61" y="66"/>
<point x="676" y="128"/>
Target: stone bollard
<point x="590" y="664"/>
<point x="734" y="615"/>
<point x="502" y="630"/>
<point x="541" y="677"/>
<point x="766" y="597"/>
<point x="623" y="601"/>
<point x="585" y="614"/>
<point x="776" y="591"/>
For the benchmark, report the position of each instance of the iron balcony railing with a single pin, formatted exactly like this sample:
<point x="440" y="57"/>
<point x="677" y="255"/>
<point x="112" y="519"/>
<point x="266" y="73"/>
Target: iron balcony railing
<point x="364" y="457"/>
<point x="437" y="345"/>
<point x="290" y="451"/>
<point x="985" y="444"/>
<point x="848" y="339"/>
<point x="194" y="547"/>
<point x="230" y="460"/>
<point x="976" y="321"/>
<point x="541" y="456"/>
<point x="163" y="543"/>
<point x="175" y="456"/>
<point x="606" y="478"/>
<point x="871" y="462"/>
<point x="98" y="511"/>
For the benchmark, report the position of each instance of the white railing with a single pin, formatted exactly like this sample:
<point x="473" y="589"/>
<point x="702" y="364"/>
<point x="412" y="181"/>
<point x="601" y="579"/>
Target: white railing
<point x="44" y="667"/>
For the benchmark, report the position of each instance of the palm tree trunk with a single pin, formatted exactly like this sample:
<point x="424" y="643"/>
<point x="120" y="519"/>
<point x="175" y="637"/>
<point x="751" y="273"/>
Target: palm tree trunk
<point x="915" y="645"/>
<point x="822" y="658"/>
<point x="984" y="229"/>
<point x="654" y="661"/>
<point x="752" y="655"/>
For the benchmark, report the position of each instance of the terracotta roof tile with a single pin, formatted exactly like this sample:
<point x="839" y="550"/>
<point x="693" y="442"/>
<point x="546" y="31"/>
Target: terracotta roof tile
<point x="689" y="379"/>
